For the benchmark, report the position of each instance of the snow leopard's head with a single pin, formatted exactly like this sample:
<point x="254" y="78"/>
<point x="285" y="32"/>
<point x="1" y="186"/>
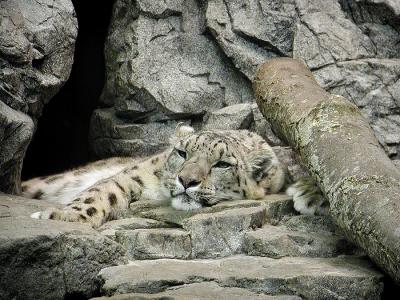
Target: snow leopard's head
<point x="207" y="167"/>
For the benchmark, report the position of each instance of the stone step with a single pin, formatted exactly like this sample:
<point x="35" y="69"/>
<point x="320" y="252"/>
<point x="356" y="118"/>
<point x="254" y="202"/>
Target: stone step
<point x="279" y="241"/>
<point x="309" y="223"/>
<point x="311" y="278"/>
<point x="277" y="206"/>
<point x="221" y="234"/>
<point x="200" y="291"/>
<point x="155" y="243"/>
<point x="110" y="228"/>
<point x="169" y="215"/>
<point x="47" y="259"/>
<point x="205" y="235"/>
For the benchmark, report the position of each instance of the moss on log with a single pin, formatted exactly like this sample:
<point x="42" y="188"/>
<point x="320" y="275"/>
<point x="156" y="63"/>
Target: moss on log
<point x="341" y="151"/>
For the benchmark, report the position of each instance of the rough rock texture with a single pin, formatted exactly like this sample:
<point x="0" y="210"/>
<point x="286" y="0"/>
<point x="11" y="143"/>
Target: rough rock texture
<point x="311" y="278"/>
<point x="200" y="291"/>
<point x="278" y="241"/>
<point x="155" y="243"/>
<point x="221" y="233"/>
<point x="110" y="228"/>
<point x="277" y="206"/>
<point x="58" y="259"/>
<point x="374" y="86"/>
<point x="37" y="40"/>
<point x="43" y="259"/>
<point x="164" y="67"/>
<point x="176" y="60"/>
<point x="112" y="136"/>
<point x="16" y="130"/>
<point x="238" y="116"/>
<point x="351" y="47"/>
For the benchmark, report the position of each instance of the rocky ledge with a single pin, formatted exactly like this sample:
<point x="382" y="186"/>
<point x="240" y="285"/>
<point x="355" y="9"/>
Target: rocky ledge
<point x="238" y="249"/>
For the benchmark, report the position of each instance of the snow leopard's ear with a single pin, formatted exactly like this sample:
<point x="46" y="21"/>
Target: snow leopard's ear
<point x="260" y="162"/>
<point x="181" y="131"/>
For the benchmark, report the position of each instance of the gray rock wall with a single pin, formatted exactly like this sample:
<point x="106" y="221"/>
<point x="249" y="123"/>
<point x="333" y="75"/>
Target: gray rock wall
<point x="37" y="40"/>
<point x="172" y="61"/>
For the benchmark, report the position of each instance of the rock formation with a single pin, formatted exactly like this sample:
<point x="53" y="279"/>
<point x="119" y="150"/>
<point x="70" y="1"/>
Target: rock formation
<point x="244" y="248"/>
<point x="172" y="61"/>
<point x="37" y="40"/>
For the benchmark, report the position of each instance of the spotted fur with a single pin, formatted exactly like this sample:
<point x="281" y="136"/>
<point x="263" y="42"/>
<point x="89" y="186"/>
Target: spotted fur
<point x="197" y="170"/>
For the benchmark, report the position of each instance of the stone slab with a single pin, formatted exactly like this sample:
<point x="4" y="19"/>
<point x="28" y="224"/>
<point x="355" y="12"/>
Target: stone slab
<point x="278" y="241"/>
<point x="110" y="228"/>
<point x="169" y="215"/>
<point x="46" y="259"/>
<point x="310" y="278"/>
<point x="221" y="234"/>
<point x="200" y="291"/>
<point x="155" y="243"/>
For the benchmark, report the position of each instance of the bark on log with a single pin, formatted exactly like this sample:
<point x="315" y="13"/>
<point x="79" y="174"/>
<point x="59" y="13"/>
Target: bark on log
<point x="341" y="151"/>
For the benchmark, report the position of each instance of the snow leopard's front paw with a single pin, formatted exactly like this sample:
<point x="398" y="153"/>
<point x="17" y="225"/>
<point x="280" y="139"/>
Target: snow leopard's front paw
<point x="307" y="197"/>
<point x="58" y="214"/>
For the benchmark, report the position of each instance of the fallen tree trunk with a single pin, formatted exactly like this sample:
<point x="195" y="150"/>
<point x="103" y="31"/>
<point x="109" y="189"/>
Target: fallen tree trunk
<point x="341" y="151"/>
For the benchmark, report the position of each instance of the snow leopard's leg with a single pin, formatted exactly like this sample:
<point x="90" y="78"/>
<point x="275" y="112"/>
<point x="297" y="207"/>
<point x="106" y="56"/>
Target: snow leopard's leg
<point x="307" y="197"/>
<point x="100" y="202"/>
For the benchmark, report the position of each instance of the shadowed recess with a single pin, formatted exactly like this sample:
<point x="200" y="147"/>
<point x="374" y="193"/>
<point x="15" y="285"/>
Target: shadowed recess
<point x="61" y="139"/>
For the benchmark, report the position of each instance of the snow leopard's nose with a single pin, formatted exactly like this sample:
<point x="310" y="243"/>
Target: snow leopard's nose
<point x="188" y="182"/>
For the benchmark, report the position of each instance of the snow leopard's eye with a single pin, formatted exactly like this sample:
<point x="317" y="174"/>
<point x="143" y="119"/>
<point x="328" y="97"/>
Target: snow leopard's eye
<point x="181" y="153"/>
<point x="222" y="165"/>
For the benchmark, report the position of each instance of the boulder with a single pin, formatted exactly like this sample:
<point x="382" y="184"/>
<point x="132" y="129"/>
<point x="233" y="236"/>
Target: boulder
<point x="252" y="32"/>
<point x="111" y="135"/>
<point x="351" y="48"/>
<point x="162" y="68"/>
<point x="158" y="58"/>
<point x="16" y="130"/>
<point x="188" y="61"/>
<point x="37" y="41"/>
<point x="233" y="117"/>
<point x="44" y="259"/>
<point x="325" y="35"/>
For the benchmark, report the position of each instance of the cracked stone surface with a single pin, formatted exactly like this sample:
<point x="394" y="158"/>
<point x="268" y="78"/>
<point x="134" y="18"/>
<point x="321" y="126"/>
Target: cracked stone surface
<point x="374" y="86"/>
<point x="49" y="260"/>
<point x="175" y="253"/>
<point x="221" y="234"/>
<point x="110" y="228"/>
<point x="37" y="42"/>
<point x="310" y="278"/>
<point x="238" y="116"/>
<point x="193" y="61"/>
<point x="111" y="135"/>
<point x="171" y="216"/>
<point x="278" y="241"/>
<point x="200" y="291"/>
<point x="155" y="243"/>
<point x="190" y="61"/>
<point x="352" y="48"/>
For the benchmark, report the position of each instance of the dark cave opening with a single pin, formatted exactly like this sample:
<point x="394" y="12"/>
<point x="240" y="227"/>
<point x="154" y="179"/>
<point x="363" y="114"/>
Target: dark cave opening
<point x="61" y="139"/>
